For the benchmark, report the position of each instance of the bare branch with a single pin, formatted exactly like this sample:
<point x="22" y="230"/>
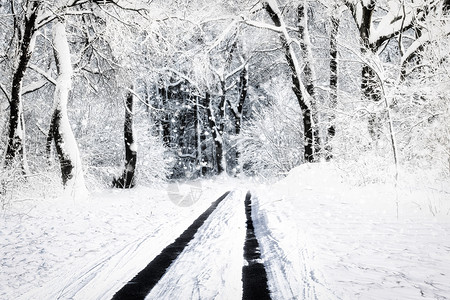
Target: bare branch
<point x="4" y="92"/>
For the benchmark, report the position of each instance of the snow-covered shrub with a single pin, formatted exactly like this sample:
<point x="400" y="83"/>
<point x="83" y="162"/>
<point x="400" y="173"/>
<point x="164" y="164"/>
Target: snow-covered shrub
<point x="17" y="188"/>
<point x="8" y="184"/>
<point x="271" y="143"/>
<point x="154" y="160"/>
<point x="423" y="107"/>
<point x="419" y="109"/>
<point x="99" y="129"/>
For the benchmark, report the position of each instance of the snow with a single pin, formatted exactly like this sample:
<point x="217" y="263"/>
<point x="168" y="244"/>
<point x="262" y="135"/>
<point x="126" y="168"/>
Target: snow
<point x="393" y="21"/>
<point x="63" y="53"/>
<point x="214" y="256"/>
<point x="88" y="249"/>
<point x="75" y="186"/>
<point x="320" y="238"/>
<point x="133" y="147"/>
<point x="334" y="241"/>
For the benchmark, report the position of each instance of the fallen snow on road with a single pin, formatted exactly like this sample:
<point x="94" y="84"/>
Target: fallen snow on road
<point x="320" y="238"/>
<point x="210" y="266"/>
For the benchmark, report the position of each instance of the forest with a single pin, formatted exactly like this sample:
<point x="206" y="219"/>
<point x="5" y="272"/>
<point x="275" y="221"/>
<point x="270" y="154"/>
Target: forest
<point x="117" y="93"/>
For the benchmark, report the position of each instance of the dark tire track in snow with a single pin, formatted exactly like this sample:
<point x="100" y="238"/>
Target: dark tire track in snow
<point x="254" y="276"/>
<point x="140" y="286"/>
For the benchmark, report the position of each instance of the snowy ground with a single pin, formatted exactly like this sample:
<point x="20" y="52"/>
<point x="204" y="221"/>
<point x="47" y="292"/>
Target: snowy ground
<point x="320" y="239"/>
<point x="67" y="249"/>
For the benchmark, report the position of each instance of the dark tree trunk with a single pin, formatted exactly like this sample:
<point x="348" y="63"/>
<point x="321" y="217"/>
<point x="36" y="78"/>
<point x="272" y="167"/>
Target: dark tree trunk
<point x="222" y="108"/>
<point x="296" y="87"/>
<point x="48" y="144"/>
<point x="165" y="121"/>
<point x="199" y="138"/>
<point x="127" y="180"/>
<point x="180" y="137"/>
<point x="331" y="130"/>
<point x="16" y="127"/>
<point x="370" y="86"/>
<point x="243" y="87"/>
<point x="237" y="112"/>
<point x="203" y="146"/>
<point x="197" y="132"/>
<point x="64" y="159"/>
<point x="368" y="75"/>
<point x="221" y="127"/>
<point x="218" y="147"/>
<point x="308" y="75"/>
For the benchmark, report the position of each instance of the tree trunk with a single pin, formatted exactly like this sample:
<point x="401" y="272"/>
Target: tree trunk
<point x="305" y="46"/>
<point x="165" y="119"/>
<point x="65" y="143"/>
<point x="331" y="130"/>
<point x="369" y="82"/>
<point x="238" y="111"/>
<point x="221" y="125"/>
<point x="203" y="146"/>
<point x="127" y="180"/>
<point x="48" y="144"/>
<point x="296" y="84"/>
<point x="218" y="146"/>
<point x="16" y="134"/>
<point x="199" y="138"/>
<point x="370" y="86"/>
<point x="243" y="87"/>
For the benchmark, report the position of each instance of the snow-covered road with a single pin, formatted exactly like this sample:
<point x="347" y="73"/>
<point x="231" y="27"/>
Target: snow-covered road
<point x="319" y="238"/>
<point x="144" y="282"/>
<point x="211" y="265"/>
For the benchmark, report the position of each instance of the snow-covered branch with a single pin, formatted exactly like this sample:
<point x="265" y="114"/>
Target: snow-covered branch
<point x="52" y="13"/>
<point x="236" y="70"/>
<point x="47" y="75"/>
<point x="178" y="73"/>
<point x="397" y="20"/>
<point x="34" y="86"/>
<point x="222" y="36"/>
<point x="426" y="38"/>
<point x="136" y="95"/>
<point x="263" y="25"/>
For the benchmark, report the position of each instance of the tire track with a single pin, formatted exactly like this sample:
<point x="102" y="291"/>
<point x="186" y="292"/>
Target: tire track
<point x="139" y="287"/>
<point x="254" y="276"/>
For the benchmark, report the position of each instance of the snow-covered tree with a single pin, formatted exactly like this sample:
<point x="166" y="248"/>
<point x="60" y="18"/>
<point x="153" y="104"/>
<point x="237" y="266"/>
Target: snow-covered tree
<point x="378" y="22"/>
<point x="61" y="131"/>
<point x="25" y="27"/>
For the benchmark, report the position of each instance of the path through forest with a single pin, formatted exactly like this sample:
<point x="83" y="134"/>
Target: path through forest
<point x="315" y="237"/>
<point x="182" y="253"/>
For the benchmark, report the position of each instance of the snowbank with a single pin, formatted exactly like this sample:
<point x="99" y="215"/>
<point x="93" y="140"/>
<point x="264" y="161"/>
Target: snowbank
<point x="324" y="239"/>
